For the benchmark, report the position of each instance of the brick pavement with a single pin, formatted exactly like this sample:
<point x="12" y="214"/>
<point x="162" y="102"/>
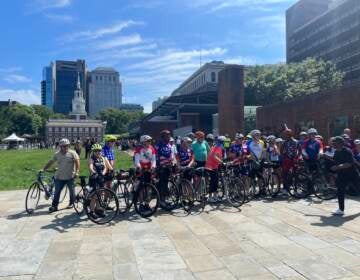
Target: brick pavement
<point x="265" y="240"/>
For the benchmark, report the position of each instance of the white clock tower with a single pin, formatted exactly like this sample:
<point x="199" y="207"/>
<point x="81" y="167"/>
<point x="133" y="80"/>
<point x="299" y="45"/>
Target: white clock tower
<point x="78" y="103"/>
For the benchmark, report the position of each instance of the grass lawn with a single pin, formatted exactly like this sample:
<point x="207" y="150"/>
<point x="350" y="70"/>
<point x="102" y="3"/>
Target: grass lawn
<point x="13" y="163"/>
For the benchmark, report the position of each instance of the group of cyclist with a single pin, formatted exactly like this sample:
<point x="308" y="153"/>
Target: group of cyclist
<point x="342" y="156"/>
<point x="200" y="150"/>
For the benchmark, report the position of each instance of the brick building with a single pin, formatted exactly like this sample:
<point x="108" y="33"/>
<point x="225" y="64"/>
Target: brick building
<point x="330" y="112"/>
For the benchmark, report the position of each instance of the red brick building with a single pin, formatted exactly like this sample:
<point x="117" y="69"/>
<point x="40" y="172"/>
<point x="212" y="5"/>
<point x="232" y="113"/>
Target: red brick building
<point x="330" y="112"/>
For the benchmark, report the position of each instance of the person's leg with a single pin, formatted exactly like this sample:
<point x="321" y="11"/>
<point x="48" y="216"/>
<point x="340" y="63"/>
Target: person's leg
<point x="71" y="186"/>
<point x="59" y="185"/>
<point x="341" y="185"/>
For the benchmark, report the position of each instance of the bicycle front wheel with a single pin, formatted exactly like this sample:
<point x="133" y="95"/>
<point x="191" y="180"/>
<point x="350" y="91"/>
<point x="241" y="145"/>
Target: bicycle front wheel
<point x="236" y="193"/>
<point x="186" y="195"/>
<point x="106" y="206"/>
<point x="79" y="201"/>
<point x="32" y="198"/>
<point x="121" y="193"/>
<point x="299" y="187"/>
<point x="146" y="200"/>
<point x="324" y="190"/>
<point x="274" y="185"/>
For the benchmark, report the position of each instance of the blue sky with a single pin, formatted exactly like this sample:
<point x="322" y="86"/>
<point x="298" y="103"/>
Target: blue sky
<point x="154" y="44"/>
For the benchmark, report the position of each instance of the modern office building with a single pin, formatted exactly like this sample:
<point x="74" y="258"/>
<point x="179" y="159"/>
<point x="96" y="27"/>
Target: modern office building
<point x="104" y="90"/>
<point x="327" y="29"/>
<point x="131" y="107"/>
<point x="65" y="74"/>
<point x="205" y="77"/>
<point x="47" y="90"/>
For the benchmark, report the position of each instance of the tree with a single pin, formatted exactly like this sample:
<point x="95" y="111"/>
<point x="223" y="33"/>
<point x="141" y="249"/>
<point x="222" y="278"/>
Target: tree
<point x="276" y="83"/>
<point x="118" y="120"/>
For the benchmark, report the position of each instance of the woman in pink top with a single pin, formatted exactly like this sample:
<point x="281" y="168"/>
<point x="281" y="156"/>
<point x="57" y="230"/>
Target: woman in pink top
<point x="215" y="158"/>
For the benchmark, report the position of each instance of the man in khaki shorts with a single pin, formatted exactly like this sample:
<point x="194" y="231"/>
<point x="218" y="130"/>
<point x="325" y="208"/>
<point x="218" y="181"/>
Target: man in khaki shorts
<point x="68" y="168"/>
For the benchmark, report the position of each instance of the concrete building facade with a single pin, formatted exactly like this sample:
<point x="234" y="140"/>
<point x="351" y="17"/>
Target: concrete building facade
<point x="105" y="90"/>
<point x="325" y="29"/>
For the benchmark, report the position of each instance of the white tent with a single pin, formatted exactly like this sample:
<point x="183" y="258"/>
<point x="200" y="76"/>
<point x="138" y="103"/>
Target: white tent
<point x="13" y="138"/>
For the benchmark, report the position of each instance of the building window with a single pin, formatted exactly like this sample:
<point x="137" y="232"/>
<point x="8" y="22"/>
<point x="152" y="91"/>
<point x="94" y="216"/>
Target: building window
<point x="96" y="77"/>
<point x="100" y="78"/>
<point x="213" y="77"/>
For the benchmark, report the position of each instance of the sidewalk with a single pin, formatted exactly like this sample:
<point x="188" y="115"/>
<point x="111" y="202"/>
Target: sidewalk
<point x="265" y="240"/>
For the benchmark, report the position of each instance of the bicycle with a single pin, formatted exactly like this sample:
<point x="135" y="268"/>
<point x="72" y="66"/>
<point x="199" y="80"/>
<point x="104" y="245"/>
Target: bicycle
<point x="271" y="178"/>
<point x="40" y="185"/>
<point x="184" y="188"/>
<point x="200" y="186"/>
<point x="123" y="186"/>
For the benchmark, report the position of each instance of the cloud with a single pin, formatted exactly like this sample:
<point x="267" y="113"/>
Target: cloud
<point x="24" y="96"/>
<point x="216" y="5"/>
<point x="10" y="69"/>
<point x="276" y="22"/>
<point x="60" y="18"/>
<point x="119" y="42"/>
<point x="98" y="33"/>
<point x="41" y="5"/>
<point x="15" y="78"/>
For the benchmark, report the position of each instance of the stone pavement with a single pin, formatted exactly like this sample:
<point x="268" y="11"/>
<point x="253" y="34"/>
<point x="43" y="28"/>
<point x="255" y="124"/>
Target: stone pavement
<point x="281" y="239"/>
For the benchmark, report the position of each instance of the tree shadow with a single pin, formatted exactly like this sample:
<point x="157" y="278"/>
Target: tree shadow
<point x="23" y="214"/>
<point x="333" y="220"/>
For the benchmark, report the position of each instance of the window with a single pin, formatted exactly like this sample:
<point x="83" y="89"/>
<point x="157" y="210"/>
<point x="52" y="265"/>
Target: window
<point x="96" y="77"/>
<point x="213" y="77"/>
<point x="100" y="78"/>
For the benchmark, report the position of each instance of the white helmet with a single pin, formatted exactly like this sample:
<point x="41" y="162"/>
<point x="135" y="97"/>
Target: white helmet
<point x="255" y="132"/>
<point x="64" y="142"/>
<point x="357" y="142"/>
<point x="239" y="136"/>
<point x="221" y="139"/>
<point x="279" y="140"/>
<point x="210" y="137"/>
<point x="312" y="131"/>
<point x="145" y="138"/>
<point x="271" y="138"/>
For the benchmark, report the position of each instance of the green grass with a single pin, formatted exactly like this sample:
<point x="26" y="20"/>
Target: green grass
<point x="13" y="163"/>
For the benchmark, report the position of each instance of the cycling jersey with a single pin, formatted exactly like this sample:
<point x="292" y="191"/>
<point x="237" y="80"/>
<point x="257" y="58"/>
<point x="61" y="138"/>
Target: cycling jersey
<point x="311" y="149"/>
<point x="164" y="153"/>
<point x="212" y="163"/>
<point x="289" y="150"/>
<point x="145" y="158"/>
<point x="256" y="149"/>
<point x="108" y="152"/>
<point x="273" y="153"/>
<point x="99" y="164"/>
<point x="357" y="156"/>
<point x="200" y="150"/>
<point x="184" y="155"/>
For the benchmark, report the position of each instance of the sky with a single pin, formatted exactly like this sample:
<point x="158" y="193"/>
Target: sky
<point x="154" y="44"/>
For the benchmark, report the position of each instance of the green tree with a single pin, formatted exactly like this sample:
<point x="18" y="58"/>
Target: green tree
<point x="276" y="83"/>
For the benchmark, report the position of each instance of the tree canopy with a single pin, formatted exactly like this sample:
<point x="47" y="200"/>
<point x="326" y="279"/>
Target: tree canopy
<point x="267" y="84"/>
<point x="118" y="120"/>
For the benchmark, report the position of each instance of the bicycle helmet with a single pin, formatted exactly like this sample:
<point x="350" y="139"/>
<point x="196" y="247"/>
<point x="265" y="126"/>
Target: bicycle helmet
<point x="239" y="136"/>
<point x="145" y="138"/>
<point x="221" y="139"/>
<point x="64" y="142"/>
<point x="186" y="139"/>
<point x="96" y="147"/>
<point x="271" y="138"/>
<point x="279" y="140"/>
<point x="339" y="140"/>
<point x="210" y="137"/>
<point x="312" y="131"/>
<point x="255" y="132"/>
<point x="191" y="135"/>
<point x="109" y="138"/>
<point x="303" y="133"/>
<point x="172" y="139"/>
<point x="357" y="142"/>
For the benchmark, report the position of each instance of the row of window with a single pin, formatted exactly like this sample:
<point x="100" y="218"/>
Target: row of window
<point x="330" y="23"/>
<point x="73" y="129"/>
<point x="105" y="78"/>
<point x="200" y="81"/>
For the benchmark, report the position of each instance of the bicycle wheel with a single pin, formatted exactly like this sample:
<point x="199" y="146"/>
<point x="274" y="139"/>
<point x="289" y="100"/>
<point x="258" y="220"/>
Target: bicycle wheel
<point x="171" y="197"/>
<point x="79" y="201"/>
<point x="221" y="187"/>
<point x="106" y="206"/>
<point x="32" y="198"/>
<point x="186" y="195"/>
<point x="324" y="190"/>
<point x="299" y="186"/>
<point x="146" y="200"/>
<point x="236" y="193"/>
<point x="274" y="184"/>
<point x="129" y="193"/>
<point x="121" y="192"/>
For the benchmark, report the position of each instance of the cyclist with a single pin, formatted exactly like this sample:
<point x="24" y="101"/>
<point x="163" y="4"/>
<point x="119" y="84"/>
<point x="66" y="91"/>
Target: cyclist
<point x="68" y="168"/>
<point x="272" y="151"/>
<point x="210" y="139"/>
<point x="185" y="157"/>
<point x="145" y="155"/>
<point x="99" y="167"/>
<point x="201" y="149"/>
<point x="165" y="160"/>
<point x="347" y="173"/>
<point x="108" y="152"/>
<point x="289" y="156"/>
<point x="236" y="151"/>
<point x="302" y="138"/>
<point x="227" y="143"/>
<point x="173" y="146"/>
<point x="214" y="159"/>
<point x="311" y="150"/>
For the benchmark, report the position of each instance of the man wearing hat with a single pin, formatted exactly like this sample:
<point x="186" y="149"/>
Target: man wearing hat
<point x="345" y="168"/>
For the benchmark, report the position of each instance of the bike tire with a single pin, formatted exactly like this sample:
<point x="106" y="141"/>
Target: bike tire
<point x="299" y="186"/>
<point x="186" y="195"/>
<point x="79" y="202"/>
<point x="32" y="198"/>
<point x="108" y="204"/>
<point x="146" y="200"/>
<point x="324" y="190"/>
<point x="171" y="197"/>
<point x="121" y="192"/>
<point x="235" y="193"/>
<point x="274" y="185"/>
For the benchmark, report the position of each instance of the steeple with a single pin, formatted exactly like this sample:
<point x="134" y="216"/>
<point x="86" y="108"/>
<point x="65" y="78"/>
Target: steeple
<point x="78" y="102"/>
<point x="78" y="82"/>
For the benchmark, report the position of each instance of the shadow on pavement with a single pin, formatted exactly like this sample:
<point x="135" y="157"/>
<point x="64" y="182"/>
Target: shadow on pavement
<point x="333" y="221"/>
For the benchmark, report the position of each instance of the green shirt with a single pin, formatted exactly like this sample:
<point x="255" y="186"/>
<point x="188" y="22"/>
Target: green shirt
<point x="201" y="150"/>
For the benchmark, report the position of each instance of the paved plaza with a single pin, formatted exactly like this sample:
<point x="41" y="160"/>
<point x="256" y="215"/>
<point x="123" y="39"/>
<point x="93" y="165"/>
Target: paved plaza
<point x="281" y="239"/>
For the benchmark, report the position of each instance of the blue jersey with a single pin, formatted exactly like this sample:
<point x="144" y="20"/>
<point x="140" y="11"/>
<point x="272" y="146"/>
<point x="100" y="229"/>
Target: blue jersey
<point x="185" y="156"/>
<point x="164" y="153"/>
<point x="312" y="148"/>
<point x="236" y="149"/>
<point x="108" y="152"/>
